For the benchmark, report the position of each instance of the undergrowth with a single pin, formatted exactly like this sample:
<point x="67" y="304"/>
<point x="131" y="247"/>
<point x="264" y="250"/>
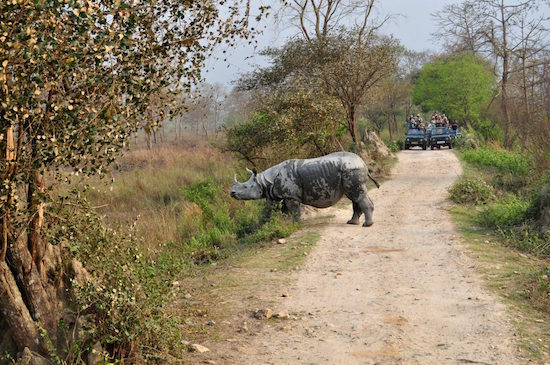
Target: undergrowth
<point x="504" y="190"/>
<point x="469" y="190"/>
<point x="163" y="215"/>
<point x="501" y="160"/>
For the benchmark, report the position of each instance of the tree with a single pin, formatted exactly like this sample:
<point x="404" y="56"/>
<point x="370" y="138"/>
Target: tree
<point x="388" y="103"/>
<point x="459" y="86"/>
<point x="351" y="56"/>
<point x="77" y="79"/>
<point x="459" y="26"/>
<point x="338" y="67"/>
<point x="297" y="124"/>
<point x="502" y="30"/>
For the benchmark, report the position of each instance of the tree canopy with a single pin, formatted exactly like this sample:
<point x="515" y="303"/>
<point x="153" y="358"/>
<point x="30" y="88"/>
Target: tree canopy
<point x="459" y="86"/>
<point x="77" y="78"/>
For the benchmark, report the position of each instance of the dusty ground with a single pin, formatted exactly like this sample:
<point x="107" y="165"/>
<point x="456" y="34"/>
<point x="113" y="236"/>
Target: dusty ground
<point x="399" y="292"/>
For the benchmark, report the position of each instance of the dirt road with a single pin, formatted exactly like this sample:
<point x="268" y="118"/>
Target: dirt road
<point x="399" y="292"/>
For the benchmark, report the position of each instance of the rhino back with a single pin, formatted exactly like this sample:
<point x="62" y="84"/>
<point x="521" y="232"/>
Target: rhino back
<point x="325" y="179"/>
<point x="321" y="181"/>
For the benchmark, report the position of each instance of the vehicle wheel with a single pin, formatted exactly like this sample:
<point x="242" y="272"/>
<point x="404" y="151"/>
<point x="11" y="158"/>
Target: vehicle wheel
<point x="450" y="146"/>
<point x="432" y="147"/>
<point x="424" y="146"/>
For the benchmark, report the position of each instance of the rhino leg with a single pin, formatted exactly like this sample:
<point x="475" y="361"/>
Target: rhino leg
<point x="293" y="207"/>
<point x="356" y="214"/>
<point x="361" y="204"/>
<point x="367" y="207"/>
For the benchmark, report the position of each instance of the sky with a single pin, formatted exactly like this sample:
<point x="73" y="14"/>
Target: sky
<point x="412" y="24"/>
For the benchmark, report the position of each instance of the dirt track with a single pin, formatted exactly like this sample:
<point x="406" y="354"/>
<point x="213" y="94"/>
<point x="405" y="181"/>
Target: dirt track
<point x="399" y="292"/>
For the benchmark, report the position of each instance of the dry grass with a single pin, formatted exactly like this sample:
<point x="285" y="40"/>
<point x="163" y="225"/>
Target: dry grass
<point x="146" y="188"/>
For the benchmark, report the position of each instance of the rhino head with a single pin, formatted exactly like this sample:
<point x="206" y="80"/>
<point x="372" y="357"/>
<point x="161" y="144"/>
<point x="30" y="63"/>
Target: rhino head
<point x="248" y="190"/>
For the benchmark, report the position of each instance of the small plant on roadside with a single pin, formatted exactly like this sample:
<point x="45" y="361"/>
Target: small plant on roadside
<point x="471" y="191"/>
<point x="526" y="238"/>
<point x="395" y="145"/>
<point x="538" y="289"/>
<point x="507" y="211"/>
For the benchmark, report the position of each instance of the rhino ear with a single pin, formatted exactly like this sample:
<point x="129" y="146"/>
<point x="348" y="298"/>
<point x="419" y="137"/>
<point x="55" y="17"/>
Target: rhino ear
<point x="250" y="171"/>
<point x="254" y="171"/>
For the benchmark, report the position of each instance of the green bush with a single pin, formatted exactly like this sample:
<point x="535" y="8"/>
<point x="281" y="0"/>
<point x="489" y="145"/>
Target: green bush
<point x="487" y="130"/>
<point x="290" y="124"/>
<point x="506" y="212"/>
<point x="471" y="191"/>
<point x="501" y="160"/>
<point x="395" y="145"/>
<point x="278" y="226"/>
<point x="122" y="304"/>
<point x="225" y="222"/>
<point x="131" y="280"/>
<point x="527" y="238"/>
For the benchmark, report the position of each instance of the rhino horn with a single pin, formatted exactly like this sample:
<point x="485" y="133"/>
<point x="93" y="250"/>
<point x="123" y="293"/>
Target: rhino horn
<point x="235" y="179"/>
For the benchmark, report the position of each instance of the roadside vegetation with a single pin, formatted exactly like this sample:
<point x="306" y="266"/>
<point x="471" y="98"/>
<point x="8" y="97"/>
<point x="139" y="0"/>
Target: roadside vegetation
<point x="498" y="201"/>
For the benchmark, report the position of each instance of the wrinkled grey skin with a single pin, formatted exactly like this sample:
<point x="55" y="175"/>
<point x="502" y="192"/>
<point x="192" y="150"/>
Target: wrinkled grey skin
<point x="319" y="182"/>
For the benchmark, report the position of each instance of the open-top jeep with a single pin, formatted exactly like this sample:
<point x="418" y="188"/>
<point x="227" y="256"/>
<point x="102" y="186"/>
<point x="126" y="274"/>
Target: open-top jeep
<point x="440" y="136"/>
<point x="415" y="137"/>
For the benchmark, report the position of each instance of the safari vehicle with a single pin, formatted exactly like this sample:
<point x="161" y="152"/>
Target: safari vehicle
<point x="440" y="137"/>
<point x="415" y="137"/>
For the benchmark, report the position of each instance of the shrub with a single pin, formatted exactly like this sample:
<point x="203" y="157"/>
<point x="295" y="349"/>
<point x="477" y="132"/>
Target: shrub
<point x="506" y="212"/>
<point x="501" y="160"/>
<point x="468" y="140"/>
<point x="278" y="226"/>
<point x="471" y="191"/>
<point x="526" y="238"/>
<point x="122" y="303"/>
<point x="487" y="130"/>
<point x="133" y="270"/>
<point x="291" y="124"/>
<point x="538" y="289"/>
<point x="395" y="145"/>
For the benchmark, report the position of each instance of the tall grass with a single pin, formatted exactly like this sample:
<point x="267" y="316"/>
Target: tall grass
<point x="176" y="201"/>
<point x="149" y="187"/>
<point x="501" y="160"/>
<point x="506" y="190"/>
<point x="505" y="183"/>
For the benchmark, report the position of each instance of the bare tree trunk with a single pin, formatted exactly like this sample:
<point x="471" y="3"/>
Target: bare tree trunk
<point x="205" y="127"/>
<point x="504" y="105"/>
<point x="16" y="314"/>
<point x="392" y="121"/>
<point x="148" y="139"/>
<point x="527" y="109"/>
<point x="350" y="112"/>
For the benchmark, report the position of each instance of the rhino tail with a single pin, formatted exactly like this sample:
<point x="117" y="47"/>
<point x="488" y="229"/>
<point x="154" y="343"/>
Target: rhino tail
<point x="373" y="180"/>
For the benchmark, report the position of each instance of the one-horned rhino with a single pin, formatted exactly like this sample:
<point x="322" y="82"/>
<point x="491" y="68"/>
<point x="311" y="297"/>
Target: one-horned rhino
<point x="319" y="182"/>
